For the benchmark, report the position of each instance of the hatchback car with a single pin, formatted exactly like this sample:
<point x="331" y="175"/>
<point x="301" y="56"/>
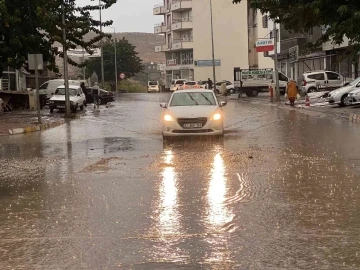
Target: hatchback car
<point x="176" y="84"/>
<point x="193" y="112"/>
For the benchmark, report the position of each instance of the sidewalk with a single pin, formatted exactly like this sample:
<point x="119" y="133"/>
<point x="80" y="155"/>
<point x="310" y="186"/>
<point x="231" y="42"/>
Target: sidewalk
<point x="16" y="122"/>
<point x="318" y="107"/>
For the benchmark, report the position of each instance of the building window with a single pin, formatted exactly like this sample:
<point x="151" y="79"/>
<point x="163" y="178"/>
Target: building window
<point x="265" y="21"/>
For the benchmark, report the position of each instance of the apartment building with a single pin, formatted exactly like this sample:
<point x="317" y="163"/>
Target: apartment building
<point x="296" y="58"/>
<point x="187" y="38"/>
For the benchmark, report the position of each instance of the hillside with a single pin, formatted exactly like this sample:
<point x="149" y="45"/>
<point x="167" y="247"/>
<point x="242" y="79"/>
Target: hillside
<point x="145" y="45"/>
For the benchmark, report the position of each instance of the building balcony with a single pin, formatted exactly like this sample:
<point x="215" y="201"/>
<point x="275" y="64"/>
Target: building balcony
<point x="162" y="48"/>
<point x="159" y="9"/>
<point x="160" y="28"/>
<point x="181" y="5"/>
<point x="182" y="24"/>
<point x="182" y="44"/>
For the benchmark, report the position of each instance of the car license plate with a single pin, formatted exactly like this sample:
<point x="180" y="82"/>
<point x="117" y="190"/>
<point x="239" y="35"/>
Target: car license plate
<point x="61" y="107"/>
<point x="193" y="125"/>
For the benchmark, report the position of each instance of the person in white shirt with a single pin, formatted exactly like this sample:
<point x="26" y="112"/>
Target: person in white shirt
<point x="96" y="94"/>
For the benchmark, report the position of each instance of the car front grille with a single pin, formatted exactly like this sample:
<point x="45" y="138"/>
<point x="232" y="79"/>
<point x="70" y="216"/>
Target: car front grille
<point x="198" y="120"/>
<point x="192" y="131"/>
<point x="59" y="103"/>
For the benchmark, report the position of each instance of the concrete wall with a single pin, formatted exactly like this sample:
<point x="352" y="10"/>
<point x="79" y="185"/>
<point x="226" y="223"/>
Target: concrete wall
<point x="230" y="33"/>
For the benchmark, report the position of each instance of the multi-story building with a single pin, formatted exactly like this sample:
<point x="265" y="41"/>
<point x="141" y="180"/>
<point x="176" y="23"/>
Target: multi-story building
<point x="187" y="38"/>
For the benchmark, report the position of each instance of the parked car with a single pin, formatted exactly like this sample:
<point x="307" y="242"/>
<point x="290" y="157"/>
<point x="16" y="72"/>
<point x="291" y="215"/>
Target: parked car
<point x="353" y="97"/>
<point x="313" y="81"/>
<point x="77" y="99"/>
<point x="105" y="96"/>
<point x="229" y="86"/>
<point x="153" y="86"/>
<point x="176" y="84"/>
<point x="339" y="96"/>
<point x="50" y="87"/>
<point x="203" y="84"/>
<point x="193" y="112"/>
<point x="190" y="85"/>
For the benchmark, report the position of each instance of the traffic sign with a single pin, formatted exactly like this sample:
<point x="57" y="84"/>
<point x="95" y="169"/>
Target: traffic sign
<point x="122" y="76"/>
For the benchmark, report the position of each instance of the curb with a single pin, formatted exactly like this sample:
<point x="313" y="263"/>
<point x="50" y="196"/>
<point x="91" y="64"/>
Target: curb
<point x="41" y="127"/>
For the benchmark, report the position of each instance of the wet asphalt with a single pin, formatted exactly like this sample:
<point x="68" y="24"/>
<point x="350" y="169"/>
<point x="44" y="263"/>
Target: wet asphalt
<point x="280" y="191"/>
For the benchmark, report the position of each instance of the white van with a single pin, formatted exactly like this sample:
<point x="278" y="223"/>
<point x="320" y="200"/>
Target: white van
<point x="177" y="84"/>
<point x="49" y="87"/>
<point x="153" y="86"/>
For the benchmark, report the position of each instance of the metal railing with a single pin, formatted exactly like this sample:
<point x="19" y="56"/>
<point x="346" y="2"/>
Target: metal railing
<point x="182" y="20"/>
<point x="190" y="39"/>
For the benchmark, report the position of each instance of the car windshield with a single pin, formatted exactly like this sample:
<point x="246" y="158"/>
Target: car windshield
<point x="193" y="99"/>
<point x="355" y="82"/>
<point x="190" y="83"/>
<point x="153" y="83"/>
<point x="180" y="82"/>
<point x="61" y="92"/>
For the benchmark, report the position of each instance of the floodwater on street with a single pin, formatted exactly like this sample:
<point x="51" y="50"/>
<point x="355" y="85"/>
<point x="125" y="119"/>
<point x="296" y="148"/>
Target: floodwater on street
<point x="280" y="191"/>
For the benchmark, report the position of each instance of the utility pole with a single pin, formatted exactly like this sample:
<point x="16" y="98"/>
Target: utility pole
<point x="83" y="55"/>
<point x="37" y="88"/>
<point x="277" y="86"/>
<point x="66" y="79"/>
<point x="101" y="48"/>
<point x="116" y="71"/>
<point x="212" y="42"/>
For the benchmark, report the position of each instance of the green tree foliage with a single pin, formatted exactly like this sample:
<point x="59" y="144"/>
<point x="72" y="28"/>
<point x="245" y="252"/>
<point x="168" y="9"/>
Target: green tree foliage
<point x="338" y="18"/>
<point x="35" y="26"/>
<point x="128" y="61"/>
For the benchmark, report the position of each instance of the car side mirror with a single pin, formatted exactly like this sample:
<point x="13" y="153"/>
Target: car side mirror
<point x="163" y="105"/>
<point x="223" y="103"/>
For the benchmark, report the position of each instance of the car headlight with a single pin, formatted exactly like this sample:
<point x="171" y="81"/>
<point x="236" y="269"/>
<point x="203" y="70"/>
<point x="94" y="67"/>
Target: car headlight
<point x="168" y="118"/>
<point x="216" y="117"/>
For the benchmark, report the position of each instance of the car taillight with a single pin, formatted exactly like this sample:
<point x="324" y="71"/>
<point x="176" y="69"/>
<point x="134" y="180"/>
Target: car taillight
<point x="304" y="82"/>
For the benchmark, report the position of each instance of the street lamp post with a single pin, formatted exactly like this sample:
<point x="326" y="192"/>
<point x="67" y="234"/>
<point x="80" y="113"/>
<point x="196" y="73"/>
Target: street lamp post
<point x="116" y="71"/>
<point x="101" y="49"/>
<point x="66" y="79"/>
<point x="212" y="42"/>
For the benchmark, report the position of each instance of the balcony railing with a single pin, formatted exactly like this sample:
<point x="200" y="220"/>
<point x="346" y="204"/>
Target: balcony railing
<point x="179" y="5"/>
<point x="159" y="9"/>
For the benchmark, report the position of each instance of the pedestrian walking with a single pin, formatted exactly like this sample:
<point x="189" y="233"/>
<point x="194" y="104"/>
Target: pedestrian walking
<point x="84" y="89"/>
<point x="210" y="83"/>
<point x="292" y="92"/>
<point x="96" y="94"/>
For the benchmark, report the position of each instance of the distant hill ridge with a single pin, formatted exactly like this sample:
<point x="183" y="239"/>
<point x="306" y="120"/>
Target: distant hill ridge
<point x="144" y="42"/>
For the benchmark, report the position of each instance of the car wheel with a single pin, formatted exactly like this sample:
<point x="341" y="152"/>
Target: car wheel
<point x="343" y="100"/>
<point x="254" y="93"/>
<point x="232" y="91"/>
<point x="74" y="109"/>
<point x="312" y="90"/>
<point x="51" y="110"/>
<point x="248" y="94"/>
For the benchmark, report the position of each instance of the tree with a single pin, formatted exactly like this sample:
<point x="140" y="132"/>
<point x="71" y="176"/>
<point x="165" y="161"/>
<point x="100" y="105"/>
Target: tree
<point x="340" y="17"/>
<point x="127" y="58"/>
<point x="35" y="26"/>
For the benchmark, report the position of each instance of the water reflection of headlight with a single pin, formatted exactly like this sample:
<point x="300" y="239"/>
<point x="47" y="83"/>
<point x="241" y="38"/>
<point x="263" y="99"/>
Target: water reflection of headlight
<point x="219" y="214"/>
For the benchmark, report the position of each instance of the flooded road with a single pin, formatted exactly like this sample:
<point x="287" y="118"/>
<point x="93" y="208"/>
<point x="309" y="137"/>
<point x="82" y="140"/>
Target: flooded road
<point x="280" y="191"/>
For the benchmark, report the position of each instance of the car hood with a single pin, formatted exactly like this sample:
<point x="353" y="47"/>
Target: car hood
<point x="192" y="111"/>
<point x="355" y="91"/>
<point x="60" y="98"/>
<point x="343" y="90"/>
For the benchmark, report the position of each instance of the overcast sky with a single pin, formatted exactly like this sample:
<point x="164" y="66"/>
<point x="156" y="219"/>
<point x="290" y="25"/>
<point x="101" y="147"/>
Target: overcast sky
<point x="130" y="15"/>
